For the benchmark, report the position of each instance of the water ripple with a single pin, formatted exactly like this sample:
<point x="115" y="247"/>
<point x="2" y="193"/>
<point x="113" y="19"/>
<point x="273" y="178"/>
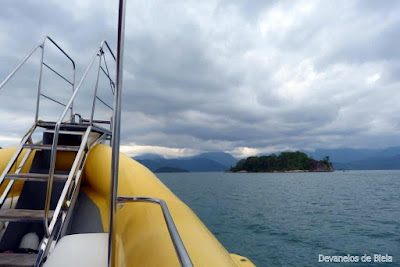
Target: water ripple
<point x="288" y="219"/>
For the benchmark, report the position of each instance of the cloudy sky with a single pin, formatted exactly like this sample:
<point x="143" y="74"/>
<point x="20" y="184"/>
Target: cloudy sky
<point x="243" y="77"/>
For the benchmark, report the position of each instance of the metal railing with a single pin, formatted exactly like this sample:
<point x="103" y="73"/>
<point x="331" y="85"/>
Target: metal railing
<point x="115" y="141"/>
<point x="53" y="157"/>
<point x="106" y="72"/>
<point x="26" y="138"/>
<point x="41" y="45"/>
<point x="67" y="195"/>
<point x="180" y="249"/>
<point x="100" y="54"/>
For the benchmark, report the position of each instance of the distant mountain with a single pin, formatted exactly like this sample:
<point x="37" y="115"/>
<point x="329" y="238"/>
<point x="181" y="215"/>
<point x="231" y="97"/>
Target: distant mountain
<point x="389" y="152"/>
<point x="222" y="158"/>
<point x="170" y="169"/>
<point x="148" y="156"/>
<point x="375" y="163"/>
<point x="205" y="162"/>
<point x="361" y="159"/>
<point x="190" y="164"/>
<point x="345" y="155"/>
<point x="342" y="159"/>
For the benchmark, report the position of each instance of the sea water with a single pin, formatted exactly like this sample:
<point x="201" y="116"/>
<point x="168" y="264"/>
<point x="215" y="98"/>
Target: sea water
<point x="291" y="219"/>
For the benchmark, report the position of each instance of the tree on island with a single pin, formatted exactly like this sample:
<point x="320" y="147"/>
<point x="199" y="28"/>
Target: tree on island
<point x="327" y="161"/>
<point x="285" y="161"/>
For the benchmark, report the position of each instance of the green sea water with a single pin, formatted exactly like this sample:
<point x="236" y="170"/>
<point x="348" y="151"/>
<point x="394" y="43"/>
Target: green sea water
<point x="290" y="219"/>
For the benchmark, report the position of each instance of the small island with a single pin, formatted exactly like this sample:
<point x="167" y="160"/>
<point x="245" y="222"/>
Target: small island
<point x="284" y="162"/>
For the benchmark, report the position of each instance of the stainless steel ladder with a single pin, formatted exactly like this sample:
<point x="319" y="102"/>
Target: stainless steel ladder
<point x="71" y="182"/>
<point x="54" y="220"/>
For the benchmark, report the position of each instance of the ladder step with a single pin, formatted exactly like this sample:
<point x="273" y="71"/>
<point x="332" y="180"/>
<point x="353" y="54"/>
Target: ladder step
<point x="36" y="177"/>
<point x="21" y="215"/>
<point x="96" y="121"/>
<point x="73" y="126"/>
<point x="51" y="124"/>
<point x="48" y="147"/>
<point x="66" y="132"/>
<point x="17" y="259"/>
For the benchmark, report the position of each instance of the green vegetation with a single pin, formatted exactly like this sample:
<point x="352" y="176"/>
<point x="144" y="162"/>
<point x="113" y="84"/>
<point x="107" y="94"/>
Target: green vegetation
<point x="286" y="161"/>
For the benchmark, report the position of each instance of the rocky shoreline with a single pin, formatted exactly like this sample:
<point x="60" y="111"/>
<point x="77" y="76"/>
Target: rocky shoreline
<point x="291" y="171"/>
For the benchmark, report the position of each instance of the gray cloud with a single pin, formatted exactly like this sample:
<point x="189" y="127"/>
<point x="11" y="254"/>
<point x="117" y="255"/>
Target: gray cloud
<point x="238" y="76"/>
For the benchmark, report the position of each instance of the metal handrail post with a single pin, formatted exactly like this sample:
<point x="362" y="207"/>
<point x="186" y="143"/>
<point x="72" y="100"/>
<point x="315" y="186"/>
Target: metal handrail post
<point x="97" y="84"/>
<point x="40" y="80"/>
<point x="54" y="150"/>
<point x="73" y="66"/>
<point x="74" y="170"/>
<point x="41" y="45"/>
<point x="95" y="97"/>
<point x="116" y="134"/>
<point x="41" y="73"/>
<point x="50" y="180"/>
<point x="73" y="90"/>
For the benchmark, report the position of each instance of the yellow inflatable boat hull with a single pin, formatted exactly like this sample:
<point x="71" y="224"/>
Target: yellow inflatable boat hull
<point x="142" y="235"/>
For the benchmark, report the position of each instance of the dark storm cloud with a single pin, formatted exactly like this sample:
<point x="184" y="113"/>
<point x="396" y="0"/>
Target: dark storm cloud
<point x="239" y="76"/>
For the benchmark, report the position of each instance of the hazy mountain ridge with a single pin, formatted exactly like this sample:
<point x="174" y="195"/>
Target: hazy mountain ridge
<point x="170" y="169"/>
<point x="149" y="156"/>
<point x="361" y="159"/>
<point x="222" y="158"/>
<point x="376" y="163"/>
<point x="205" y="162"/>
<point x="346" y="155"/>
<point x="342" y="159"/>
